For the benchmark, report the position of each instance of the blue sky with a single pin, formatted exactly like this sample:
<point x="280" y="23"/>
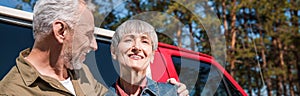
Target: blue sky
<point x="15" y="3"/>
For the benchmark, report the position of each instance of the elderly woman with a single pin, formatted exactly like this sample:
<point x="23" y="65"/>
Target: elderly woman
<point x="133" y="46"/>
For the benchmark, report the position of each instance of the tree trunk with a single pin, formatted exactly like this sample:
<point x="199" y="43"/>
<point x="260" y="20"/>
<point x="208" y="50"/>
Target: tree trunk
<point x="233" y="35"/>
<point x="284" y="84"/>
<point x="224" y="17"/>
<point x="179" y="37"/>
<point x="297" y="57"/>
<point x="269" y="86"/>
<point x="293" y="90"/>
<point x="280" y="86"/>
<point x="290" y="79"/>
<point x="263" y="55"/>
<point x="281" y="51"/>
<point x="191" y="36"/>
<point x="249" y="80"/>
<point x="297" y="54"/>
<point x="258" y="84"/>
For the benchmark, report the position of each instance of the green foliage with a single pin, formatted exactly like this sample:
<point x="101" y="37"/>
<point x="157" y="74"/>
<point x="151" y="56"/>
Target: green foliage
<point x="27" y="1"/>
<point x="177" y="20"/>
<point x="270" y="28"/>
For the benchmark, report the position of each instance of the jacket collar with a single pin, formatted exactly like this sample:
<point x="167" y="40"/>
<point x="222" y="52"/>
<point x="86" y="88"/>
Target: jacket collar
<point x="151" y="88"/>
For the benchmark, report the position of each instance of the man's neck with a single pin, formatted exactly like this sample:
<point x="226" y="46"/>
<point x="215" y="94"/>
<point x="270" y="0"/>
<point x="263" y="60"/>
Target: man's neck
<point x="47" y="65"/>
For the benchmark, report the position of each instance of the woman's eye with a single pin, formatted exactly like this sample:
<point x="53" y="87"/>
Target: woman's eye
<point x="127" y="40"/>
<point x="147" y="42"/>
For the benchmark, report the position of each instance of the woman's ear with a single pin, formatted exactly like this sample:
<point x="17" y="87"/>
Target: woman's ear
<point x="59" y="30"/>
<point x="113" y="53"/>
<point x="152" y="57"/>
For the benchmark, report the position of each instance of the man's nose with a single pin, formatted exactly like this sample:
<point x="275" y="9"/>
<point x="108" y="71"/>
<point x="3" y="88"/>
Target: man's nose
<point x="94" y="45"/>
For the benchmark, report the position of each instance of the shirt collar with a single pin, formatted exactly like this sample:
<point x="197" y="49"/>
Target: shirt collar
<point x="119" y="90"/>
<point x="151" y="88"/>
<point x="28" y="73"/>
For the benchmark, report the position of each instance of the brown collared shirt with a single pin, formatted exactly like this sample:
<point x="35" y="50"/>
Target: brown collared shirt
<point x="23" y="79"/>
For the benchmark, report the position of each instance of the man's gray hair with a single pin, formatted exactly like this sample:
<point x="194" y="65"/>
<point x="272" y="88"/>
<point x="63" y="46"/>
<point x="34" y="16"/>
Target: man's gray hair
<point x="47" y="11"/>
<point x="135" y="26"/>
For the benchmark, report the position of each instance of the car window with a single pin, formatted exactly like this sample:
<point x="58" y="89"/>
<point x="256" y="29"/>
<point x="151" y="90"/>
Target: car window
<point x="233" y="91"/>
<point x="16" y="38"/>
<point x="195" y="75"/>
<point x="105" y="64"/>
<point x="13" y="40"/>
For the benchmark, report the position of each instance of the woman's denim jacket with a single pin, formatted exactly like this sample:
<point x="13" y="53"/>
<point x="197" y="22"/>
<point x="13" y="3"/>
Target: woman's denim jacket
<point x="152" y="89"/>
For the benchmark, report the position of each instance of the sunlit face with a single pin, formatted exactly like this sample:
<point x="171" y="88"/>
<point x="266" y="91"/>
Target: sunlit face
<point x="83" y="40"/>
<point x="134" y="51"/>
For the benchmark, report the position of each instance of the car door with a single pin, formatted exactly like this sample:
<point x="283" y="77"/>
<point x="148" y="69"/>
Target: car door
<point x="201" y="74"/>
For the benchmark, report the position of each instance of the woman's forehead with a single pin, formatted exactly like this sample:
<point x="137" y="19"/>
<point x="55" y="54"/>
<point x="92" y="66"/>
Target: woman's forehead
<point x="132" y="34"/>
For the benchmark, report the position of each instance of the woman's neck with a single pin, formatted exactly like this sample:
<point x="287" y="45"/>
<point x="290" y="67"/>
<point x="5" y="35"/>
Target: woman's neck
<point x="132" y="89"/>
<point x="132" y="81"/>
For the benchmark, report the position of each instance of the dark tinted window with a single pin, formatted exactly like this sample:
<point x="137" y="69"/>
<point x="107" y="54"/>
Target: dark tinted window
<point x="16" y="38"/>
<point x="231" y="88"/>
<point x="105" y="63"/>
<point x="13" y="39"/>
<point x="197" y="75"/>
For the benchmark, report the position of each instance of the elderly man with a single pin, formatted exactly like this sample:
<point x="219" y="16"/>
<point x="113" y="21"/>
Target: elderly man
<point x="64" y="34"/>
<point x="133" y="47"/>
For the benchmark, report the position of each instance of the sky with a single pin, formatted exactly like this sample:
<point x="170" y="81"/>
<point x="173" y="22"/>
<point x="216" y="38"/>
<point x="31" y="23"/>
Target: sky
<point x="15" y="3"/>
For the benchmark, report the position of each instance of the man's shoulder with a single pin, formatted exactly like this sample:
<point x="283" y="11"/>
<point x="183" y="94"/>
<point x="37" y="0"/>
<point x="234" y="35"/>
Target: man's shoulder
<point x="13" y="76"/>
<point x="11" y="82"/>
<point x="87" y="82"/>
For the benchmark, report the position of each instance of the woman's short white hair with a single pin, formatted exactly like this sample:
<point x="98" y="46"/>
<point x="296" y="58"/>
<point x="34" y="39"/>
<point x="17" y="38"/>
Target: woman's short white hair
<point x="47" y="11"/>
<point x="135" y="26"/>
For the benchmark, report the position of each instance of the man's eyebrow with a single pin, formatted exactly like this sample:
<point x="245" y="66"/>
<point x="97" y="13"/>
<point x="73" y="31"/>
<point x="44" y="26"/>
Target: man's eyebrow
<point x="128" y="36"/>
<point x="90" y="31"/>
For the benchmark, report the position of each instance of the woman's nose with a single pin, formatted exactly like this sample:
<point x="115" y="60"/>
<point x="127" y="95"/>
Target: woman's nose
<point x="136" y="47"/>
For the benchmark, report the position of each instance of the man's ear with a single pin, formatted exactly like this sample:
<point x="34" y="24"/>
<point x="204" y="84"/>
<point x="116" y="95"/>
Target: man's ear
<point x="113" y="53"/>
<point x="59" y="30"/>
